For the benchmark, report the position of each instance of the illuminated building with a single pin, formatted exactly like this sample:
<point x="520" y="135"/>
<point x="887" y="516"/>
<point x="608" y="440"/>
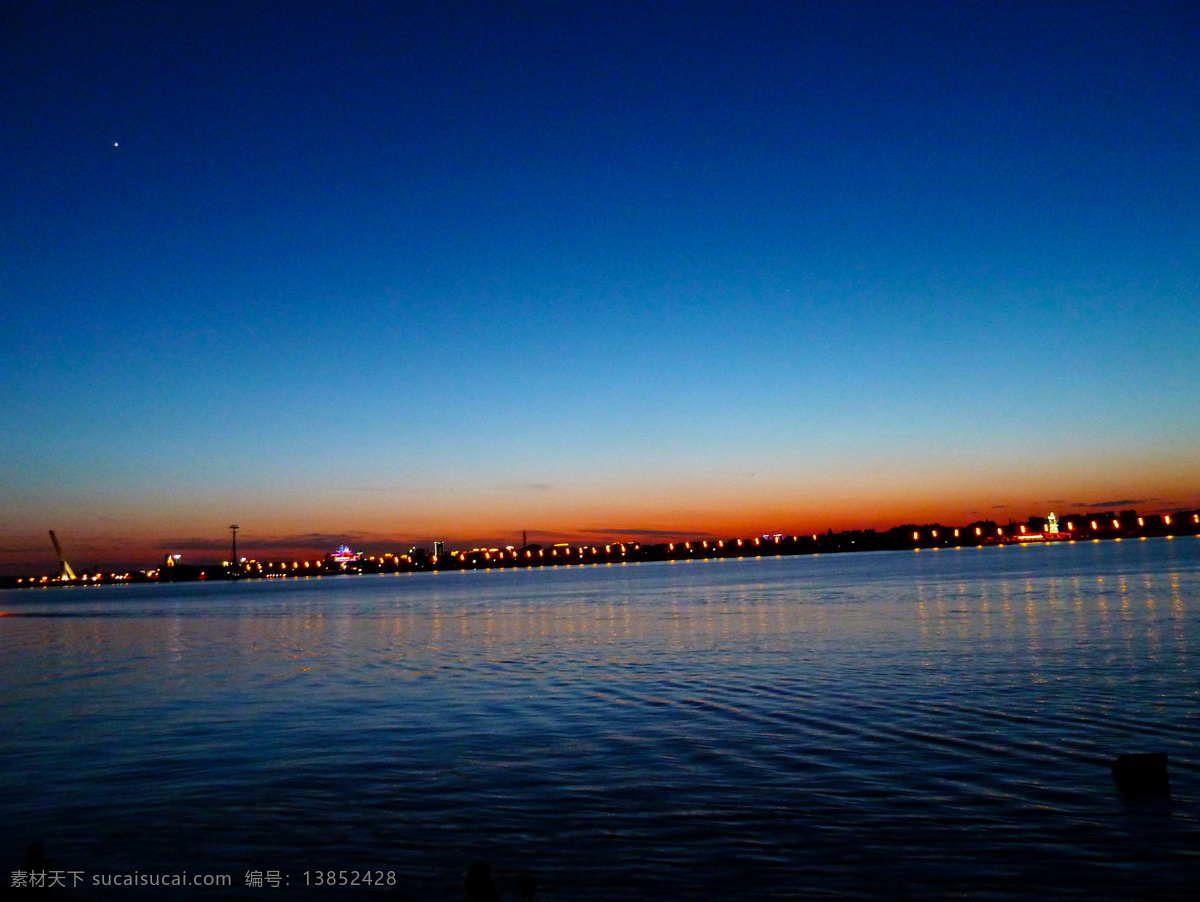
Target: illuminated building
<point x="343" y="555"/>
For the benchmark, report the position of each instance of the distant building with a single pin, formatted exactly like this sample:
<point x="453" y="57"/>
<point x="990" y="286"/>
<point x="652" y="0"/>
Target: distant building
<point x="343" y="555"/>
<point x="439" y="549"/>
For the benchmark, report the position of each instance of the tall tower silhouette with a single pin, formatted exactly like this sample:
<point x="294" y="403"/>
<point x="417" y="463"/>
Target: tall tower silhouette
<point x="66" y="572"/>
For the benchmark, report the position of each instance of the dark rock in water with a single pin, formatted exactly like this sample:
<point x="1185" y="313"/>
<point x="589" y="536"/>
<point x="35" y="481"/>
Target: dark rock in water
<point x="1142" y="773"/>
<point x="479" y="885"/>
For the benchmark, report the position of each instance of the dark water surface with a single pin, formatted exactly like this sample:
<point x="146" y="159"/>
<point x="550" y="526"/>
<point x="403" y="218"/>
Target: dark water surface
<point x="932" y="725"/>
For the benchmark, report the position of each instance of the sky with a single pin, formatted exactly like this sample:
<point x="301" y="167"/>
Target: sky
<point x="390" y="273"/>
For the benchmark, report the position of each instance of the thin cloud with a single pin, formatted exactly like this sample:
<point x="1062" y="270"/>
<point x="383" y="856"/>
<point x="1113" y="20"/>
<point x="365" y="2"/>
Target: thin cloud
<point x="196" y="544"/>
<point x="424" y="489"/>
<point x="658" y="533"/>
<point x="1124" y="502"/>
<point x="549" y="535"/>
<point x="249" y="543"/>
<point x="24" y="548"/>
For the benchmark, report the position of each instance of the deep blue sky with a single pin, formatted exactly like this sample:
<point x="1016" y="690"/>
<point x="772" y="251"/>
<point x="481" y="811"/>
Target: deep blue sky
<point x="402" y="271"/>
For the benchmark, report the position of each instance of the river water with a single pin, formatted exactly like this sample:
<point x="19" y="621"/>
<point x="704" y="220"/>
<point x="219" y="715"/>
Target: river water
<point x="924" y="725"/>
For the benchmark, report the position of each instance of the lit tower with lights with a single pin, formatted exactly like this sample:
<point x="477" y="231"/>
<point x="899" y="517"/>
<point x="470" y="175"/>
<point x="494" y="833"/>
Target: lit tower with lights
<point x="66" y="572"/>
